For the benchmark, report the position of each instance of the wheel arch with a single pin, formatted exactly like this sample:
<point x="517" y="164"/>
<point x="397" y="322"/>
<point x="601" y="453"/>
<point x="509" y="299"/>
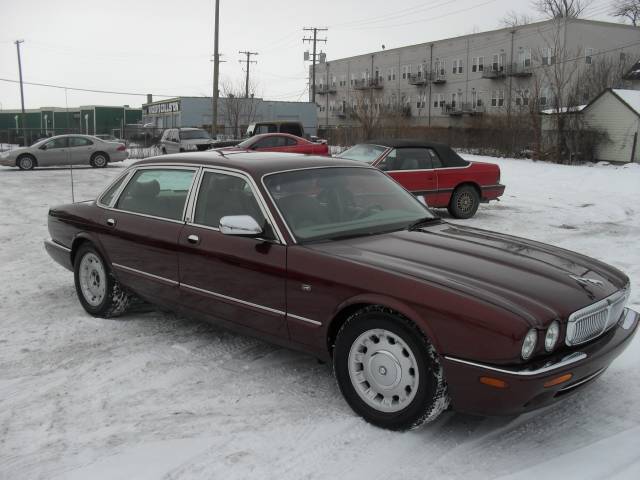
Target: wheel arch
<point x="93" y="155"/>
<point x="83" y="238"/>
<point x="394" y="306"/>
<point x="470" y="183"/>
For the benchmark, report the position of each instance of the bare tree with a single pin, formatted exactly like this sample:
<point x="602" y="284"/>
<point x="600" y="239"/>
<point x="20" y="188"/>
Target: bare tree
<point x="627" y="10"/>
<point x="515" y="19"/>
<point x="237" y="110"/>
<point x="601" y="72"/>
<point x="561" y="8"/>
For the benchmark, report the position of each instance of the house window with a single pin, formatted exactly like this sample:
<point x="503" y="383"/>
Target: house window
<point x="623" y="57"/>
<point x="441" y="67"/>
<point x="588" y="56"/>
<point x="389" y="75"/>
<point x="420" y="71"/>
<point x="405" y="71"/>
<point x="497" y="99"/>
<point x="457" y="67"/>
<point x="548" y="56"/>
<point x="524" y="58"/>
<point x="353" y="79"/>
<point x="478" y="64"/>
<point x="496" y="64"/>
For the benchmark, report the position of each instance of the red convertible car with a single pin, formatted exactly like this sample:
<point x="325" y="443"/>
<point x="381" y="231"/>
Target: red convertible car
<point x="434" y="171"/>
<point x="336" y="259"/>
<point x="279" y="142"/>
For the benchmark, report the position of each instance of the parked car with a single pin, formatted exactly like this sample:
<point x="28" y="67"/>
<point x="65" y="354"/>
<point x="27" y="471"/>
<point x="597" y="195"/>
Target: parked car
<point x="65" y="150"/>
<point x="334" y="258"/>
<point x="175" y="140"/>
<point x="433" y="171"/>
<point x="292" y="128"/>
<point x="280" y="142"/>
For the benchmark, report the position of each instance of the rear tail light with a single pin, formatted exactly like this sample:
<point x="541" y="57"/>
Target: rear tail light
<point x="121" y="148"/>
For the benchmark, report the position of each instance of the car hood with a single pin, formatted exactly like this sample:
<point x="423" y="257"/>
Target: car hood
<point x="533" y="280"/>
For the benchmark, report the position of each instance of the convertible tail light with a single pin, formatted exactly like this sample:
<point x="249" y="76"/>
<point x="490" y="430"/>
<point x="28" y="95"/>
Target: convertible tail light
<point x="121" y="148"/>
<point x="493" y="382"/>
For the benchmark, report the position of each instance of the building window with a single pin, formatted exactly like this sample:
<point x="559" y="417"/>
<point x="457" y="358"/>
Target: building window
<point x="420" y="70"/>
<point x="441" y="67"/>
<point x="496" y="64"/>
<point x="478" y="64"/>
<point x="524" y="57"/>
<point x="404" y="72"/>
<point x="588" y="56"/>
<point x="457" y="67"/>
<point x="623" y="57"/>
<point x="497" y="99"/>
<point x="548" y="56"/>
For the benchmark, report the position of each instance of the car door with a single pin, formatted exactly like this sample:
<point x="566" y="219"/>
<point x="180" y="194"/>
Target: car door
<point x="412" y="168"/>
<point x="232" y="278"/>
<point x="54" y="152"/>
<point x="80" y="150"/>
<point x="141" y="229"/>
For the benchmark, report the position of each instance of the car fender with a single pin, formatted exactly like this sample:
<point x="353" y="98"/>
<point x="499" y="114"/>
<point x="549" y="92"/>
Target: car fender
<point x="95" y="240"/>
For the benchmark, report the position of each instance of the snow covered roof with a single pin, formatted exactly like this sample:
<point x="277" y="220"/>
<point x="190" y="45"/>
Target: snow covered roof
<point x="551" y="111"/>
<point x="630" y="97"/>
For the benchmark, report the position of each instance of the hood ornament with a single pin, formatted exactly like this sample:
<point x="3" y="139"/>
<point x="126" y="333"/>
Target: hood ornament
<point x="587" y="281"/>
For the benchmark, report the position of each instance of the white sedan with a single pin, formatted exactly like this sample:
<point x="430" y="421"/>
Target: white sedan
<point x="65" y="150"/>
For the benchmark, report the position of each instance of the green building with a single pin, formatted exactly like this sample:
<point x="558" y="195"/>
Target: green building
<point x="48" y="121"/>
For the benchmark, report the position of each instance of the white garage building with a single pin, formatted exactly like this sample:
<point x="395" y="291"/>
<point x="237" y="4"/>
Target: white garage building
<point x="616" y="113"/>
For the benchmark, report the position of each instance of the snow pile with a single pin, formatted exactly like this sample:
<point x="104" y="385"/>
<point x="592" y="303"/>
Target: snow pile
<point x="155" y="396"/>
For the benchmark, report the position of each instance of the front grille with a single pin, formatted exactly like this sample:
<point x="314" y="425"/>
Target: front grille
<point x="594" y="320"/>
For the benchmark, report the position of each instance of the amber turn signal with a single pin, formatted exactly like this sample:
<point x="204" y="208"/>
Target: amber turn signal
<point x="558" y="380"/>
<point x="493" y="382"/>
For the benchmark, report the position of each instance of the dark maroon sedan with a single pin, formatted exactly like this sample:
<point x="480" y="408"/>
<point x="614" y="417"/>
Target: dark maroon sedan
<point x="334" y="258"/>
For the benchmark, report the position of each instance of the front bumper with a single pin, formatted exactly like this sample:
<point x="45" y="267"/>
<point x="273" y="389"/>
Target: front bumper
<point x="525" y="388"/>
<point x="8" y="162"/>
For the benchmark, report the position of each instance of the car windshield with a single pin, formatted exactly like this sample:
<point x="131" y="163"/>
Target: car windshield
<point x="341" y="202"/>
<point x="194" y="135"/>
<point x="363" y="152"/>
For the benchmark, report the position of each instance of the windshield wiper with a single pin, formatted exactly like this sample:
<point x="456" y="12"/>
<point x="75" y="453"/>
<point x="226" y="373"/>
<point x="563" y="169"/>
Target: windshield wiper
<point x="422" y="222"/>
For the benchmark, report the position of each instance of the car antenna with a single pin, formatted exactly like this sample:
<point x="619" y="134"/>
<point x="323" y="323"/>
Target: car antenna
<point x="66" y="101"/>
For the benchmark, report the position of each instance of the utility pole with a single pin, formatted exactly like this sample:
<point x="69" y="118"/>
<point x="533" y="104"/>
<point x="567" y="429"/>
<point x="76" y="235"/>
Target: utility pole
<point x="216" y="66"/>
<point x="23" y="122"/>
<point x="315" y="40"/>
<point x="247" y="61"/>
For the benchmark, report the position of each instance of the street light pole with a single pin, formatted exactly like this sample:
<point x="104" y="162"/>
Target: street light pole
<point x="216" y="65"/>
<point x="18" y="42"/>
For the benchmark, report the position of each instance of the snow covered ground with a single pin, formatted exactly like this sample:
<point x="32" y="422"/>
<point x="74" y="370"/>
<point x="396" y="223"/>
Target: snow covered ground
<point x="155" y="396"/>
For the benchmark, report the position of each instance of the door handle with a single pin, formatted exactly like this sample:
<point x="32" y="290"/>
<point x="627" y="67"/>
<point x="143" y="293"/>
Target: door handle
<point x="193" y="239"/>
<point x="111" y="222"/>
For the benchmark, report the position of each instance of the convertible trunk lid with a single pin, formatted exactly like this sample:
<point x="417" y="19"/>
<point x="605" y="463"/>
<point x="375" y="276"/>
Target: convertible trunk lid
<point x="536" y="281"/>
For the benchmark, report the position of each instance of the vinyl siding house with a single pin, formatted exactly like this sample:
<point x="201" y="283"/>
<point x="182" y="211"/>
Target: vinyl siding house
<point x="616" y="113"/>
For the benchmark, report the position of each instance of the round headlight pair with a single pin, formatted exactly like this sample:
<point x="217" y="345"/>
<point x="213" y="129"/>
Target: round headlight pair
<point x="531" y="338"/>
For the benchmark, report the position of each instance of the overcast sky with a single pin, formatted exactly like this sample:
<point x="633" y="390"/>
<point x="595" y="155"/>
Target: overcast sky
<point x="164" y="47"/>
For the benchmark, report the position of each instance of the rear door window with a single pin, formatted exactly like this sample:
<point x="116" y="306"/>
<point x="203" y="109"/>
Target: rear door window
<point x="157" y="192"/>
<point x="79" y="142"/>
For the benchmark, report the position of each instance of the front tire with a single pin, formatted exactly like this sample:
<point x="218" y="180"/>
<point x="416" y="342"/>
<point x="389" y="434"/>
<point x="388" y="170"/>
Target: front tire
<point x="26" y="162"/>
<point x="388" y="371"/>
<point x="100" y="294"/>
<point x="464" y="202"/>
<point x="99" y="160"/>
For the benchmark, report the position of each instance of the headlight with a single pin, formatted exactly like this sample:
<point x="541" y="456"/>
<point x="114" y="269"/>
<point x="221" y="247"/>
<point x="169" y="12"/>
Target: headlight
<point x="529" y="344"/>
<point x="551" y="338"/>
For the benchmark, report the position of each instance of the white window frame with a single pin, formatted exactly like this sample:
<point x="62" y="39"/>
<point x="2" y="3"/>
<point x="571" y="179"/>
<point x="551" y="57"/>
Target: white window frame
<point x="588" y="55"/>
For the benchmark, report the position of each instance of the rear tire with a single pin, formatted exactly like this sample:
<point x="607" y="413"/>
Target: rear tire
<point x="100" y="294"/>
<point x="464" y="202"/>
<point x="26" y="162"/>
<point x="388" y="371"/>
<point x="99" y="160"/>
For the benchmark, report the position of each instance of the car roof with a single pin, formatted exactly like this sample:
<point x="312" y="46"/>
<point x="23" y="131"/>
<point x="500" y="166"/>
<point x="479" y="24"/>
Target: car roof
<point x="404" y="142"/>
<point x="277" y="134"/>
<point x="254" y="163"/>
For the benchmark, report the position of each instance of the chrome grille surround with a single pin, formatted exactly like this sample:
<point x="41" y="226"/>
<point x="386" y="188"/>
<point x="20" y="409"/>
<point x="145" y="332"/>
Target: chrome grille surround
<point x="592" y="321"/>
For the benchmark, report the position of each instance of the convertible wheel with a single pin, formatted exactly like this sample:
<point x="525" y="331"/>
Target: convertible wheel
<point x="99" y="292"/>
<point x="26" y="162"/>
<point x="464" y="202"/>
<point x="99" y="160"/>
<point x="388" y="371"/>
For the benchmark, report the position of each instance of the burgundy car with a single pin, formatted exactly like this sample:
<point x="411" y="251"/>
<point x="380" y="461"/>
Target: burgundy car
<point x="433" y="171"/>
<point x="279" y="142"/>
<point x="336" y="259"/>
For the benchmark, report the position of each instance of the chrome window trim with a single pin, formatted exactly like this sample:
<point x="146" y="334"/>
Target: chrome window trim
<point x="304" y="319"/>
<point x="565" y="362"/>
<point x="145" y="274"/>
<point x="232" y="299"/>
<point x="116" y="195"/>
<point x="134" y="170"/>
<point x="57" y="245"/>
<point x="363" y="166"/>
<point x="266" y="212"/>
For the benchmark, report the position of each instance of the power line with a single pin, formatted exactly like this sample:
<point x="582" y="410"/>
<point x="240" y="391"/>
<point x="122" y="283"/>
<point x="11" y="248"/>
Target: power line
<point x="90" y="90"/>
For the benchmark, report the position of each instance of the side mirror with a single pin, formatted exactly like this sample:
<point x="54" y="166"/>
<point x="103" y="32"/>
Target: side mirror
<point x="43" y="147"/>
<point x="243" y="225"/>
